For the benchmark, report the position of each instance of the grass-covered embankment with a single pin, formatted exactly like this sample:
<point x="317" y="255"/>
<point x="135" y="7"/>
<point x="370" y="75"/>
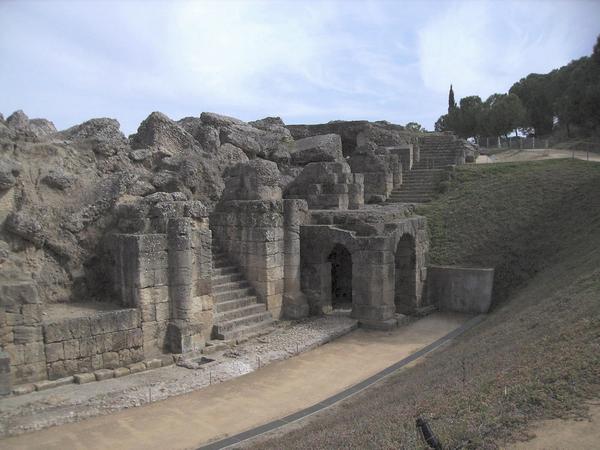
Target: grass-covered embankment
<point x="537" y="355"/>
<point x="516" y="217"/>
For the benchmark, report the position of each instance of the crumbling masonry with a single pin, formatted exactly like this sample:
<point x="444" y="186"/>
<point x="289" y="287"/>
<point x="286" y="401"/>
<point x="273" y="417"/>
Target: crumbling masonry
<point x="303" y="220"/>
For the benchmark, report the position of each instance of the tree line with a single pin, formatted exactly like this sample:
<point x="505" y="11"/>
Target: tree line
<point x="566" y="99"/>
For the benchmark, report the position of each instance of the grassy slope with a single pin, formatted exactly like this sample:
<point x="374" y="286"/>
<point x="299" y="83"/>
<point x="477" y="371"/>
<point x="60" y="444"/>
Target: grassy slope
<point x="538" y="353"/>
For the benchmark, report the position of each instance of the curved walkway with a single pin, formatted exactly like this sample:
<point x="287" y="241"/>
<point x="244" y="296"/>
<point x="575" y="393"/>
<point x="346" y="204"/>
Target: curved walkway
<point x="278" y="390"/>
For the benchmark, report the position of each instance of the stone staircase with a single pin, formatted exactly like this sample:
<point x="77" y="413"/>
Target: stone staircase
<point x="237" y="312"/>
<point x="420" y="184"/>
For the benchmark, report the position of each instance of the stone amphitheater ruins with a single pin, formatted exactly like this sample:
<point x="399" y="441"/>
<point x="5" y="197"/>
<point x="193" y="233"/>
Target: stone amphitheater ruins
<point x="116" y="250"/>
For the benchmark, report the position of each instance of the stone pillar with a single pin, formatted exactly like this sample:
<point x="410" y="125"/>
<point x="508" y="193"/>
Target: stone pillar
<point x="316" y="285"/>
<point x="295" y="213"/>
<point x="185" y="332"/>
<point x="181" y="262"/>
<point x="356" y="192"/>
<point x="373" y="285"/>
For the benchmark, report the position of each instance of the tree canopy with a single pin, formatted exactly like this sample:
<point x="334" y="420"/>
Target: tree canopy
<point x="565" y="98"/>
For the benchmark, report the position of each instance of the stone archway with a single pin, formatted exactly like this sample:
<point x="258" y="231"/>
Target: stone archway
<point x="405" y="275"/>
<point x="341" y="277"/>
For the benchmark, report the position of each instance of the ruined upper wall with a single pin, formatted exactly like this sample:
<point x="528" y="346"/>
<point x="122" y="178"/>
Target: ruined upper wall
<point x="357" y="132"/>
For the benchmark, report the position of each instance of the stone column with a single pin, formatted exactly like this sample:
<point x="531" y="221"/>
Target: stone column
<point x="185" y="333"/>
<point x="295" y="213"/>
<point x="181" y="262"/>
<point x="373" y="284"/>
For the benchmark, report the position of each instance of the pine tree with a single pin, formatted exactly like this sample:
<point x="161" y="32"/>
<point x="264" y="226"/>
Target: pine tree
<point x="451" y="101"/>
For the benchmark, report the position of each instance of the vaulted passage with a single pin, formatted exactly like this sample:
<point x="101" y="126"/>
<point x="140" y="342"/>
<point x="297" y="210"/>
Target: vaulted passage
<point x="404" y="297"/>
<point x="341" y="277"/>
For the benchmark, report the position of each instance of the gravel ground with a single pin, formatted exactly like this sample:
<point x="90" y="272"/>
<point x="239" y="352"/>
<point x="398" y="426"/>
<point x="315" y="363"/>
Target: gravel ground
<point x="21" y="414"/>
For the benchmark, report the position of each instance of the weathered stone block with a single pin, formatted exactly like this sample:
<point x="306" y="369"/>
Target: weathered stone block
<point x="166" y="360"/>
<point x="119" y="340"/>
<point x="71" y="366"/>
<point x="185" y="337"/>
<point x="104" y="374"/>
<point x="29" y="372"/>
<point x="56" y="332"/>
<point x="136" y="367"/>
<point x="83" y="378"/>
<point x="84" y="364"/>
<point x="32" y="314"/>
<point x="96" y="362"/>
<point x="153" y="363"/>
<point x="34" y="352"/>
<point x="110" y="360"/>
<point x="80" y="327"/>
<point x="20" y="293"/>
<point x="23" y="334"/>
<point x="148" y="312"/>
<point x="87" y="347"/>
<point x="50" y="384"/>
<point x="24" y="389"/>
<point x="71" y="349"/>
<point x="56" y="370"/>
<point x="134" y="338"/>
<point x="163" y="310"/>
<point x="121" y="372"/>
<point x="154" y="295"/>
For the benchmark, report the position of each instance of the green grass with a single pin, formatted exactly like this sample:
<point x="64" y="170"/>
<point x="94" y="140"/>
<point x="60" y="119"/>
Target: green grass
<point x="537" y="355"/>
<point x="515" y="217"/>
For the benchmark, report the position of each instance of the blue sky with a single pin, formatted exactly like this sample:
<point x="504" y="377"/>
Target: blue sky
<point x="306" y="61"/>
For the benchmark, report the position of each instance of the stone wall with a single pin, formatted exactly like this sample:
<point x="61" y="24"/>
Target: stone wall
<point x="252" y="234"/>
<point x="21" y="334"/>
<point x="168" y="277"/>
<point x="328" y="185"/>
<point x="105" y="340"/>
<point x="380" y="173"/>
<point x="460" y="289"/>
<point x="373" y="247"/>
<point x="40" y="350"/>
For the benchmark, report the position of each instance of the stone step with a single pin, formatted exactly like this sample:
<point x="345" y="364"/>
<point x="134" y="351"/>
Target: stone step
<point x="231" y="325"/>
<point x="244" y="311"/>
<point x="237" y="303"/>
<point x="232" y="294"/>
<point x="224" y="270"/>
<point x="424" y="180"/>
<point x="217" y="280"/>
<point x="248" y="332"/>
<point x="231" y="286"/>
<point x="425" y="171"/>
<point x="412" y="199"/>
<point x="413" y="193"/>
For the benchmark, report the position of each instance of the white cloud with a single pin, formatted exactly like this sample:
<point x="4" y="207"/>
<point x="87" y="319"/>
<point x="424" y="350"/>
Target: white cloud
<point x="484" y="47"/>
<point x="306" y="61"/>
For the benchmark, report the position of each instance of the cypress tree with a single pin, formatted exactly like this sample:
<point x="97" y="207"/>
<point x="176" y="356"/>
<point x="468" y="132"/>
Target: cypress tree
<point x="451" y="101"/>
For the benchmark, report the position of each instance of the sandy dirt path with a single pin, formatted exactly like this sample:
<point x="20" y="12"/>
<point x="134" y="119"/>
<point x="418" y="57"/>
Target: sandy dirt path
<point x="536" y="155"/>
<point x="565" y="434"/>
<point x="251" y="400"/>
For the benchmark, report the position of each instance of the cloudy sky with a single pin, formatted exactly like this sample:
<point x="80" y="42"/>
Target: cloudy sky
<point x="306" y="61"/>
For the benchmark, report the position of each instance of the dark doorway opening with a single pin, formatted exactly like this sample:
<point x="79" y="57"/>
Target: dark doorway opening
<point x="341" y="277"/>
<point x="405" y="286"/>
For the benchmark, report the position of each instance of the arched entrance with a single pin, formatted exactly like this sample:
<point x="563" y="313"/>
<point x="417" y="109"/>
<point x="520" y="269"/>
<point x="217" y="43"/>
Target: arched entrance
<point x="341" y="277"/>
<point x="406" y="278"/>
